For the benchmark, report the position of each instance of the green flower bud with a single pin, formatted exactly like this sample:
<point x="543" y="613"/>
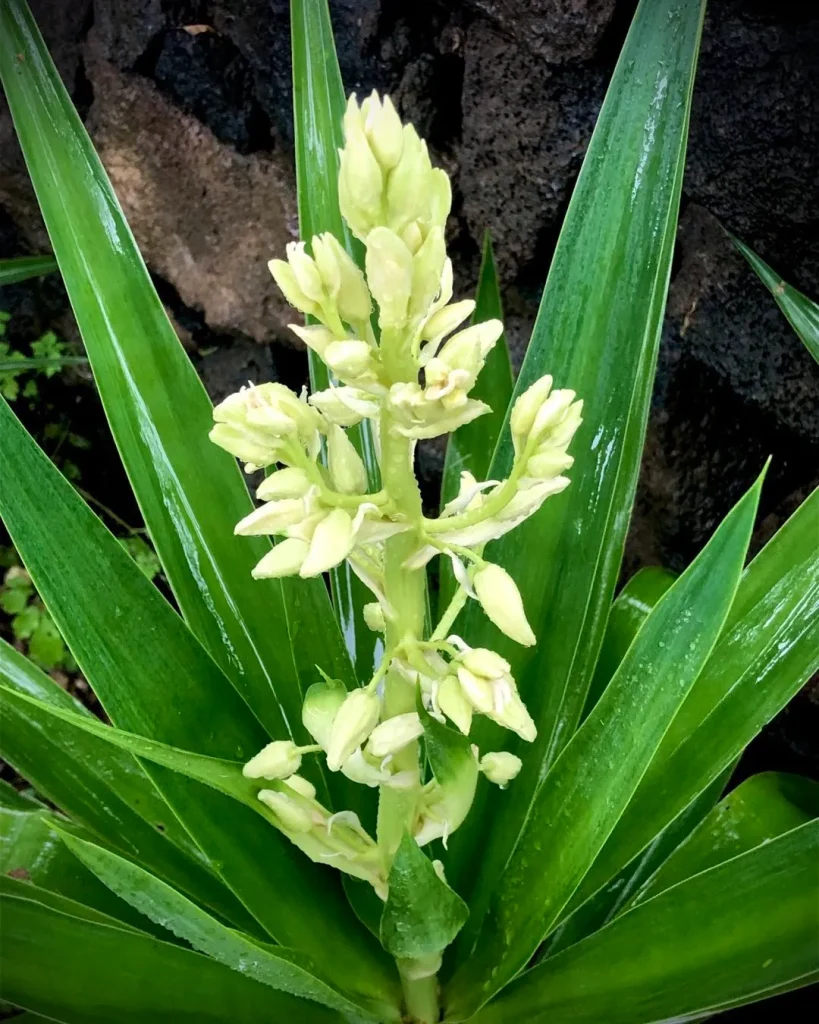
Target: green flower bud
<point x="396" y="733"/>
<point x="285" y="278"/>
<point x="301" y="786"/>
<point x="407" y="196"/>
<point x="526" y="407"/>
<point x="248" y="446"/>
<point x="307" y="273"/>
<point x="321" y="704"/>
<point x="275" y="761"/>
<point x="389" y="274"/>
<point x="347" y="472"/>
<point x="284" y="560"/>
<point x="383" y="129"/>
<point x="290" y="815"/>
<point x="500" y="599"/>
<point x="360" y="180"/>
<point x="285" y="483"/>
<point x="331" y="542"/>
<point x="315" y="337"/>
<point x="350" y="292"/>
<point x="446" y="320"/>
<point x="349" y="359"/>
<point x="427" y="267"/>
<point x="451" y="699"/>
<point x="548" y="462"/>
<point x="500" y="767"/>
<point x="271" y="518"/>
<point x="356" y="719"/>
<point x="552" y="412"/>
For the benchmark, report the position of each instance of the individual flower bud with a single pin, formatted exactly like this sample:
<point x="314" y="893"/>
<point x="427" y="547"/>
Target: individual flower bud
<point x="383" y="129"/>
<point x="358" y="769"/>
<point x="351" y="293"/>
<point x="306" y="271"/>
<point x="374" y="617"/>
<point x="277" y="409"/>
<point x="439" y="196"/>
<point x="389" y="266"/>
<point x="548" y="462"/>
<point x="347" y="472"/>
<point x="360" y="179"/>
<point x="469" y="348"/>
<point x="356" y="719"/>
<point x="427" y="267"/>
<point x="350" y="359"/>
<point x="562" y="434"/>
<point x="315" y="337"/>
<point x="453" y="702"/>
<point x="487" y="683"/>
<point x="275" y="761"/>
<point x="406" y="185"/>
<point x="526" y="407"/>
<point x="396" y="733"/>
<point x="446" y="320"/>
<point x="285" y="278"/>
<point x="412" y="236"/>
<point x="243" y="444"/>
<point x="331" y="542"/>
<point x="500" y="599"/>
<point x="301" y="786"/>
<point x="321" y="704"/>
<point x="500" y="767"/>
<point x="290" y="815"/>
<point x="327" y="265"/>
<point x="345" y="406"/>
<point x="272" y="518"/>
<point x="285" y="483"/>
<point x="551" y="413"/>
<point x="285" y="559"/>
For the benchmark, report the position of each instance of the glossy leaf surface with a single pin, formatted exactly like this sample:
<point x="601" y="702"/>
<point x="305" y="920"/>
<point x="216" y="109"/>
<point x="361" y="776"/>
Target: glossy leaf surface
<point x="597" y="332"/>
<point x="802" y="312"/>
<point x="144" y="666"/>
<point x="71" y="969"/>
<point x="191" y="493"/>
<point x="733" y="934"/>
<point x="591" y="783"/>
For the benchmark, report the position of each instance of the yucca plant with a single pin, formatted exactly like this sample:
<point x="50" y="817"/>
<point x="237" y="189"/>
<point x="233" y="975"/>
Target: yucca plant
<point x="355" y="801"/>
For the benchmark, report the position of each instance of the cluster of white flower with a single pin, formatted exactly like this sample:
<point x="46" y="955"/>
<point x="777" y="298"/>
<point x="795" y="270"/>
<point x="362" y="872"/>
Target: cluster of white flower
<point x="409" y="377"/>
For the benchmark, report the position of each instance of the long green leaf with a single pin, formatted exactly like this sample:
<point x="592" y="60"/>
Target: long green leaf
<point x="597" y="332"/>
<point x="31" y="850"/>
<point x="101" y="786"/>
<point x="318" y="108"/>
<point x="71" y="969"/>
<point x="757" y="811"/>
<point x="768" y="650"/>
<point x="21" y="268"/>
<point x="802" y="312"/>
<point x="130" y="645"/>
<point x="191" y="493"/>
<point x="736" y="933"/>
<point x="591" y="783"/>
<point x="275" y="966"/>
<point x="471" y="447"/>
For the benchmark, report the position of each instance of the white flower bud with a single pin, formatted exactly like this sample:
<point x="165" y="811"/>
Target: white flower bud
<point x="284" y="560"/>
<point x="273" y="517"/>
<point x="347" y="472"/>
<point x="439" y="196"/>
<point x="446" y="319"/>
<point x="275" y="761"/>
<point x="550" y="414"/>
<point x="301" y="786"/>
<point x="383" y="129"/>
<point x="562" y="434"/>
<point x="526" y="407"/>
<point x="244" y="445"/>
<point x="389" y="266"/>
<point x="306" y="271"/>
<point x="452" y="701"/>
<point x="500" y="767"/>
<point x="331" y="542"/>
<point x="356" y="719"/>
<point x="412" y="236"/>
<point x="488" y="685"/>
<point x="548" y="462"/>
<point x="290" y="815"/>
<point x="285" y="483"/>
<point x="358" y="769"/>
<point x="396" y="733"/>
<point x="406" y="187"/>
<point x="345" y="406"/>
<point x="285" y="278"/>
<point x="476" y="689"/>
<point x="315" y="337"/>
<point x="374" y="617"/>
<point x="469" y="348"/>
<point x="427" y="267"/>
<point x="350" y="358"/>
<point x="351" y="293"/>
<point x="500" y="599"/>
<point x="321" y="704"/>
<point x="360" y="179"/>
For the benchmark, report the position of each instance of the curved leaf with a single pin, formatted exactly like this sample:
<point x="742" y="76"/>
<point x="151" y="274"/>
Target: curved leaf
<point x="597" y="332"/>
<point x="591" y="783"/>
<point x="21" y="268"/>
<point x="736" y="933"/>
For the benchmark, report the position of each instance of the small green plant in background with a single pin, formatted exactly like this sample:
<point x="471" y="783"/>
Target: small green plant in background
<point x="30" y="622"/>
<point x="19" y="372"/>
<point x="345" y="808"/>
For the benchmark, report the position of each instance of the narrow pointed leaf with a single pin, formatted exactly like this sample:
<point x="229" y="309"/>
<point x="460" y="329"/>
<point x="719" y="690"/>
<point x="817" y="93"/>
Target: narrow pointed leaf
<point x="597" y="332"/>
<point x="145" y="666"/>
<point x="591" y="783"/>
<point x="191" y="493"/>
<point x="71" y="969"/>
<point x="757" y="811"/>
<point x="768" y="650"/>
<point x="736" y="933"/>
<point x="275" y="966"/>
<point x="23" y="267"/>
<point x="318" y="108"/>
<point x="100" y="786"/>
<point x="802" y="312"/>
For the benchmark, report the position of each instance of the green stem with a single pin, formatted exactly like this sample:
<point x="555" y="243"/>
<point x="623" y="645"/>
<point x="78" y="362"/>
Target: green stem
<point x="421" y="999"/>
